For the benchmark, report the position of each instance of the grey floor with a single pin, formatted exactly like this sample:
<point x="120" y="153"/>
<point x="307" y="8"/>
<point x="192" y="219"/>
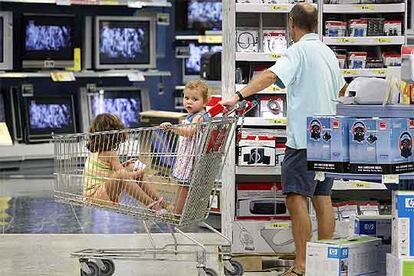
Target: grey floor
<point x="39" y="234"/>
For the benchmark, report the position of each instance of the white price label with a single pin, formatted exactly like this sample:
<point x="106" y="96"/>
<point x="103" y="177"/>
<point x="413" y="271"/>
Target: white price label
<point x="390" y="179"/>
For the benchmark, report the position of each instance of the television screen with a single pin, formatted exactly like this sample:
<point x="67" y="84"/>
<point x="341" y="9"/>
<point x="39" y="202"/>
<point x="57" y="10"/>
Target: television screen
<point x="125" y="42"/>
<point x="48" y="37"/>
<point x="50" y="114"/>
<point x="126" y="107"/>
<point x="204" y="15"/>
<point x="193" y="63"/>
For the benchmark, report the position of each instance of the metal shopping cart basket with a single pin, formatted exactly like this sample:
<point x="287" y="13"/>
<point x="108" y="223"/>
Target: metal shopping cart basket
<point x="165" y="177"/>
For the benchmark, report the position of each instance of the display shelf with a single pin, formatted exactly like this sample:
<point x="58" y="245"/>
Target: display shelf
<point x="273" y="89"/>
<point x="364" y="40"/>
<point x="252" y="170"/>
<point x="213" y="39"/>
<point x="129" y="3"/>
<point x="20" y="152"/>
<point x="386" y="111"/>
<point x="254" y="56"/>
<point x="263" y="8"/>
<point x="341" y="185"/>
<point x="364" y="8"/>
<point x="85" y="74"/>
<point x="371" y="177"/>
<point x="367" y="72"/>
<point x="259" y="121"/>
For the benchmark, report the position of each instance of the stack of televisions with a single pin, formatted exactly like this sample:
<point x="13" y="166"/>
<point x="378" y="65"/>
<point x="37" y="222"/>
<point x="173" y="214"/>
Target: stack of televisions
<point x="343" y="145"/>
<point x="48" y="42"/>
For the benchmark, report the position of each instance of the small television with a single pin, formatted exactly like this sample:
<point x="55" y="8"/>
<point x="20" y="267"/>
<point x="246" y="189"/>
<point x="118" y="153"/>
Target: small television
<point x="123" y="42"/>
<point x="192" y="64"/>
<point x="49" y="114"/>
<point x="48" y="40"/>
<point x="125" y="102"/>
<point x="199" y="15"/>
<point x="6" y="40"/>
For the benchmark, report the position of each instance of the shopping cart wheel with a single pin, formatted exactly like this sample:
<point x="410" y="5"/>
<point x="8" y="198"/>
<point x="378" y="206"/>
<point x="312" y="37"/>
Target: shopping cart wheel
<point x="109" y="267"/>
<point x="236" y="271"/>
<point x="210" y="272"/>
<point x="89" y="269"/>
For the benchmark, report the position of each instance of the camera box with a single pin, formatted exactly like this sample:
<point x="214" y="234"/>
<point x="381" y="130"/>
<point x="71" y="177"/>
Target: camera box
<point x="260" y="201"/>
<point x="381" y="145"/>
<point x="256" y="150"/>
<point x="327" y="139"/>
<point x="402" y="241"/>
<point x="399" y="266"/>
<point x="380" y="227"/>
<point x="342" y="257"/>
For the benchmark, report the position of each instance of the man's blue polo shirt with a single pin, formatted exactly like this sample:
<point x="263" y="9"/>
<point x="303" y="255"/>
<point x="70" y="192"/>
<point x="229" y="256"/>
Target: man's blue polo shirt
<point x="310" y="72"/>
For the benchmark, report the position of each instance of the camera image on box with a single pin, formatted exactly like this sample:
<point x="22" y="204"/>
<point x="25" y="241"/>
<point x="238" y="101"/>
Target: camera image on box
<point x="327" y="139"/>
<point x="381" y="145"/>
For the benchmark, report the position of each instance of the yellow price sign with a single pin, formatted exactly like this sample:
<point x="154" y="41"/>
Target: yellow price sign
<point x="378" y="71"/>
<point x="109" y="2"/>
<point x="279" y="7"/>
<point x="383" y="40"/>
<point x="350" y="72"/>
<point x="210" y="39"/>
<point x="275" y="56"/>
<point x="361" y="184"/>
<point x="279" y="225"/>
<point x="278" y="121"/>
<point x="59" y="76"/>
<point x="346" y="40"/>
<point x="365" y="7"/>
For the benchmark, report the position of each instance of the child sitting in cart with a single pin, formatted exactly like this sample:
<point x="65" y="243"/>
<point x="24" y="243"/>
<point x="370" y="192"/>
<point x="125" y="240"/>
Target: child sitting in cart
<point x="195" y="100"/>
<point x="104" y="177"/>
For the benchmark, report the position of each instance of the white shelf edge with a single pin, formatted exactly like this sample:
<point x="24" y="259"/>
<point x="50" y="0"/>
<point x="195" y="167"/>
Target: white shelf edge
<point x="365" y="40"/>
<point x="273" y="89"/>
<point x="85" y="74"/>
<point x="364" y="8"/>
<point x="258" y="121"/>
<point x="367" y="72"/>
<point x="258" y="170"/>
<point x="20" y="152"/>
<point x="130" y="4"/>
<point x="340" y="185"/>
<point x="264" y="8"/>
<point x="256" y="56"/>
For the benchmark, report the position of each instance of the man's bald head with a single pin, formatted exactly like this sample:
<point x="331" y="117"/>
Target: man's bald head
<point x="305" y="17"/>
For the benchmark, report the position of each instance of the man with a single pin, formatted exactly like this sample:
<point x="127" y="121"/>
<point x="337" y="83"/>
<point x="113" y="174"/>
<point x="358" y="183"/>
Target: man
<point x="311" y="74"/>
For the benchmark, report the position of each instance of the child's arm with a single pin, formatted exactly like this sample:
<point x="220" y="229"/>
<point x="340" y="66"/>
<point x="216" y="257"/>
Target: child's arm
<point x="186" y="131"/>
<point x="117" y="166"/>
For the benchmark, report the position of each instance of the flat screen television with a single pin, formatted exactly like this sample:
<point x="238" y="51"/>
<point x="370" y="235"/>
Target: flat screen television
<point x="127" y="103"/>
<point x="125" y="42"/>
<point x="49" y="114"/>
<point x="192" y="64"/>
<point x="199" y="15"/>
<point x="48" y="40"/>
<point x="6" y="40"/>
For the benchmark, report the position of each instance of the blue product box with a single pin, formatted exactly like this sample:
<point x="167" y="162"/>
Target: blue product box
<point x="381" y="145"/>
<point x="402" y="241"/>
<point x="327" y="143"/>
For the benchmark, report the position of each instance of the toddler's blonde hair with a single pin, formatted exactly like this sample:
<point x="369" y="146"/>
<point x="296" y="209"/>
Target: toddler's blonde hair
<point x="200" y="86"/>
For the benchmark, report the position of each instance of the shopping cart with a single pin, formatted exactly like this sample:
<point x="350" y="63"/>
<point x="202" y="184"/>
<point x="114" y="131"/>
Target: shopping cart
<point x="166" y="178"/>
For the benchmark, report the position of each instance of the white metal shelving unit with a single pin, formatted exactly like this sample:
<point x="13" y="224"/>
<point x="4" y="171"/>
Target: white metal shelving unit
<point x="129" y="3"/>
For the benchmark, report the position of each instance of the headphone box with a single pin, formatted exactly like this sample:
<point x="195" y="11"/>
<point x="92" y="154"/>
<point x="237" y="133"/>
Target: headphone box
<point x="327" y="143"/>
<point x="381" y="145"/>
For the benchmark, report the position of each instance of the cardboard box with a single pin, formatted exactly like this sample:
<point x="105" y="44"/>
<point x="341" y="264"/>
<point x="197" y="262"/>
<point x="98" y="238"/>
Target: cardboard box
<point x="327" y="139"/>
<point x="402" y="241"/>
<point x="342" y="257"/>
<point x="399" y="266"/>
<point x="381" y="146"/>
<point x="257" y="150"/>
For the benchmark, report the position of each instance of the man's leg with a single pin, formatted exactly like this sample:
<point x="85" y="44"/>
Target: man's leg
<point x="325" y="216"/>
<point x="301" y="226"/>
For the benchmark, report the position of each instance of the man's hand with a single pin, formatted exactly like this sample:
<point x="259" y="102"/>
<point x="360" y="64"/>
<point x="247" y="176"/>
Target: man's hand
<point x="230" y="102"/>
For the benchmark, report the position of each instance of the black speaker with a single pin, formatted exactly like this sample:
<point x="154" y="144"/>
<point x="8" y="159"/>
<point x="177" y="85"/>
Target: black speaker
<point x="211" y="66"/>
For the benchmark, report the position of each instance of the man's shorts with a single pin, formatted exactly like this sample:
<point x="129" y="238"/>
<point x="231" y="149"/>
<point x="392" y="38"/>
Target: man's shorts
<point x="297" y="179"/>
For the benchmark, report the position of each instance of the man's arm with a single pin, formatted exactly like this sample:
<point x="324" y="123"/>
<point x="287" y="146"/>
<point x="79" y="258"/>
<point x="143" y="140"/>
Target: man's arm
<point x="259" y="83"/>
<point x="343" y="89"/>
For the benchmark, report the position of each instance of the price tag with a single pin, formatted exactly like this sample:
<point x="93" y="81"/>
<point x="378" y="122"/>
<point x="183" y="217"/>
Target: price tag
<point x="383" y="39"/>
<point x="136" y="76"/>
<point x="62" y="76"/>
<point x="210" y="39"/>
<point x="350" y="72"/>
<point x="390" y="179"/>
<point x="320" y="176"/>
<point x="361" y="184"/>
<point x="279" y="7"/>
<point x="279" y="225"/>
<point x="112" y="2"/>
<point x="346" y="40"/>
<point x="275" y="56"/>
<point x="378" y="71"/>
<point x="134" y="4"/>
<point x="366" y="7"/>
<point x="63" y="2"/>
<point x="278" y="121"/>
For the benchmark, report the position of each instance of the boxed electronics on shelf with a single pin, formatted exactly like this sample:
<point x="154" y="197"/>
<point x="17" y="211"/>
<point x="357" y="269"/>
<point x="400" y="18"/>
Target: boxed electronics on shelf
<point x="399" y="266"/>
<point x="327" y="143"/>
<point x="342" y="257"/>
<point x="403" y="224"/>
<point x="381" y="145"/>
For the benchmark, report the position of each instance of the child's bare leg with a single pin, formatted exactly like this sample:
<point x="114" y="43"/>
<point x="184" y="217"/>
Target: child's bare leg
<point x="180" y="199"/>
<point x="148" y="187"/>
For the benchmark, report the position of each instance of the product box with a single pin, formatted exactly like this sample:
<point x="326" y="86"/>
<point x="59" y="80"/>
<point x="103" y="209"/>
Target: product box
<point x="258" y="201"/>
<point x="256" y="150"/>
<point x="247" y="39"/>
<point x="272" y="107"/>
<point x="392" y="27"/>
<point x="358" y="27"/>
<point x="274" y="41"/>
<point x="380" y="227"/>
<point x="402" y="241"/>
<point x="381" y="146"/>
<point x="399" y="266"/>
<point x="342" y="257"/>
<point x="273" y="236"/>
<point x="327" y="143"/>
<point x="357" y="60"/>
<point x="335" y="28"/>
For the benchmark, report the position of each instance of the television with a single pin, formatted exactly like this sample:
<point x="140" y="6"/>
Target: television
<point x="49" y="114"/>
<point x="49" y="40"/>
<point x="123" y="42"/>
<point x="192" y="64"/>
<point x="199" y="15"/>
<point x="6" y="40"/>
<point x="125" y="102"/>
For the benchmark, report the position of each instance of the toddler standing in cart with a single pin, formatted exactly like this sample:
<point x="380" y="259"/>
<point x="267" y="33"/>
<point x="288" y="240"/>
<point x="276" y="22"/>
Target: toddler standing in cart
<point x="195" y="101"/>
<point x="104" y="177"/>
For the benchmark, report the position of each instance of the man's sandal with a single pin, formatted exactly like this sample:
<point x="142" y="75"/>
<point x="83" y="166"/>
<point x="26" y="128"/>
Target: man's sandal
<point x="292" y="272"/>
